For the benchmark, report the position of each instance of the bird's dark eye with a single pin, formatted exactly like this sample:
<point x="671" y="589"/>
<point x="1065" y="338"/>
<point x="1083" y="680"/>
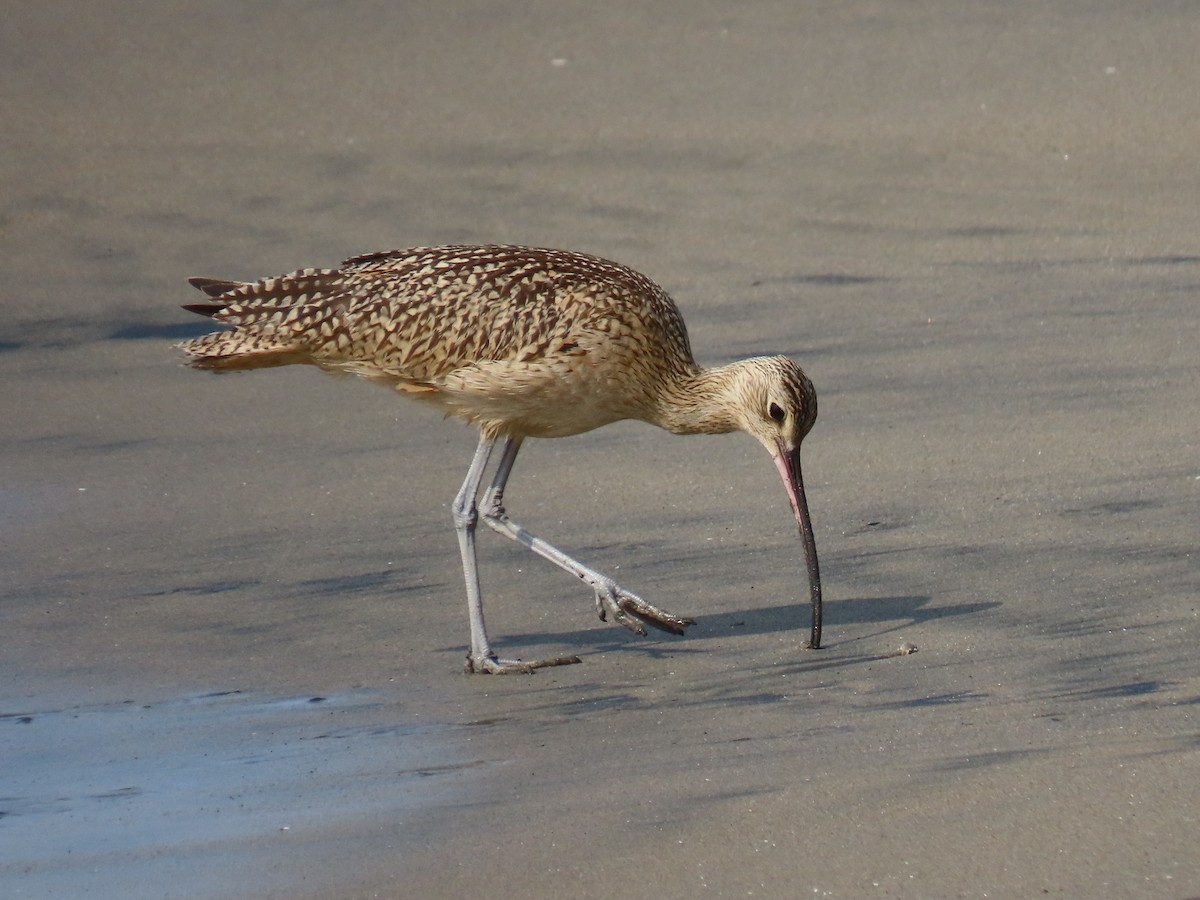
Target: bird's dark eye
<point x="775" y="411"/>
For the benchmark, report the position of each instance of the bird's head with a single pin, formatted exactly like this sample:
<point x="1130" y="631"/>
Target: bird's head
<point x="778" y="405"/>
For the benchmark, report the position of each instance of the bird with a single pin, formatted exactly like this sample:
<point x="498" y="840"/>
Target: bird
<point x="522" y="342"/>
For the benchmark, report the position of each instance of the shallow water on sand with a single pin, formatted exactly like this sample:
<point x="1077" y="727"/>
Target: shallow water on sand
<point x="182" y="797"/>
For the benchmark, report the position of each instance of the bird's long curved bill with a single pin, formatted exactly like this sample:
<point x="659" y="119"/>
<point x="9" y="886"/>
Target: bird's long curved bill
<point x="788" y="464"/>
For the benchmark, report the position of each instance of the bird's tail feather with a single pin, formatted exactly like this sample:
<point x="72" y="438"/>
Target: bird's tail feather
<point x="215" y="287"/>
<point x="231" y="350"/>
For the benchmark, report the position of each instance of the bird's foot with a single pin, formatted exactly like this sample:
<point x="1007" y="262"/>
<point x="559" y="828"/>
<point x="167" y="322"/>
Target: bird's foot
<point x="491" y="665"/>
<point x="634" y="613"/>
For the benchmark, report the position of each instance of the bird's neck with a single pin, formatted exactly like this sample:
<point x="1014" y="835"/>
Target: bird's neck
<point x="699" y="401"/>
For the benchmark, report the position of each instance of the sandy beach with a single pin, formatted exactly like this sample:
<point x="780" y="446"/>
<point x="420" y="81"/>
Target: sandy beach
<point x="232" y="621"/>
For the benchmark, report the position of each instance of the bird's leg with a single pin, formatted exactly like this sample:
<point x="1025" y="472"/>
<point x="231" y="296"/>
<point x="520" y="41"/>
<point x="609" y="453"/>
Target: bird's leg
<point x="465" y="517"/>
<point x="626" y="608"/>
<point x="481" y="658"/>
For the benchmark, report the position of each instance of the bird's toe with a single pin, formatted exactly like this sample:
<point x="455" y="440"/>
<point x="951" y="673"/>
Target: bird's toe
<point x="634" y="613"/>
<point x="492" y="665"/>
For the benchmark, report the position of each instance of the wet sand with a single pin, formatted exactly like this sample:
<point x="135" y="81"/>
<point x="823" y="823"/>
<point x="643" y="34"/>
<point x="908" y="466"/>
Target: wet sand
<point x="231" y="617"/>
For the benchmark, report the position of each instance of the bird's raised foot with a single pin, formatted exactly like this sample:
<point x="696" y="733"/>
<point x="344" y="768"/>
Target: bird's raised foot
<point x="634" y="613"/>
<point x="491" y="665"/>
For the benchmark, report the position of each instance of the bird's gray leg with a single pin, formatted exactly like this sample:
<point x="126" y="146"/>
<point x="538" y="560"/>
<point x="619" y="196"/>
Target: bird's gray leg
<point x="465" y="517"/>
<point x="481" y="658"/>
<point x="626" y="608"/>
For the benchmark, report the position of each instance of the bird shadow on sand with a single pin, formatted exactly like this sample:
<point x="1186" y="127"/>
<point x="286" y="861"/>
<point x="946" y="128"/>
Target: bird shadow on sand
<point x="903" y="610"/>
<point x="893" y="613"/>
<point x="172" y="331"/>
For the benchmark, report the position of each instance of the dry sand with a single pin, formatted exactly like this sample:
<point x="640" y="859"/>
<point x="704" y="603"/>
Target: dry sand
<point x="231" y="617"/>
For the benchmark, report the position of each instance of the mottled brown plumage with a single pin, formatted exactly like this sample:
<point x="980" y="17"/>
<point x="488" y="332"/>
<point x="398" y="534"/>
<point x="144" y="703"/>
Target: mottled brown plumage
<point x="523" y="342"/>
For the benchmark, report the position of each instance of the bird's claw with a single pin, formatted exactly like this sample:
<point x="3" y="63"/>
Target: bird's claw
<point x="634" y="613"/>
<point x="491" y="665"/>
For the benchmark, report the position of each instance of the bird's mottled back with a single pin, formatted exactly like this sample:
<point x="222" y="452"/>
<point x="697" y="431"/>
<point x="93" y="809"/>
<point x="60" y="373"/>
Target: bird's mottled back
<point x="441" y="321"/>
<point x="421" y="313"/>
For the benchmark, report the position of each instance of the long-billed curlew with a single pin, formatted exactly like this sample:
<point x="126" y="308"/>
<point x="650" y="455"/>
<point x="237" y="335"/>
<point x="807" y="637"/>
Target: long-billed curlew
<point x="524" y="343"/>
